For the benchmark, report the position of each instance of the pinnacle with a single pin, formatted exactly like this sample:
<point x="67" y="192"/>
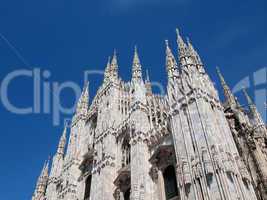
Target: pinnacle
<point x="147" y="76"/>
<point x="249" y="100"/>
<point x="167" y="42"/>
<point x="114" y="59"/>
<point x="136" y="56"/>
<point x="177" y="32"/>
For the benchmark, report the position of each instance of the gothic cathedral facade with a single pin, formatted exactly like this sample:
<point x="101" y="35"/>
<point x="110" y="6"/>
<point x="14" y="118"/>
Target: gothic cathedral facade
<point x="131" y="144"/>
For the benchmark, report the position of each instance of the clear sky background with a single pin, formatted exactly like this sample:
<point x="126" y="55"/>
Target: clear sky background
<point x="69" y="37"/>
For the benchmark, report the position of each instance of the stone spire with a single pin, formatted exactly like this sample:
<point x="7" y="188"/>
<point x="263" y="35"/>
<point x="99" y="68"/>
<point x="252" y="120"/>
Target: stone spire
<point x="148" y="84"/>
<point x="255" y="113"/>
<point x="136" y="67"/>
<point x="46" y="170"/>
<point x="181" y="45"/>
<point x="62" y="142"/>
<point x="230" y="98"/>
<point x="137" y="82"/>
<point x="107" y="71"/>
<point x="248" y="98"/>
<point x="193" y="53"/>
<point x="42" y="182"/>
<point x="114" y="67"/>
<point x="147" y="76"/>
<point x="82" y="105"/>
<point x="171" y="64"/>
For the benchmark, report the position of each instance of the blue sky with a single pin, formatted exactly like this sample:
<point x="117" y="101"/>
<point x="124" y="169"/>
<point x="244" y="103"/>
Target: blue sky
<point x="69" y="37"/>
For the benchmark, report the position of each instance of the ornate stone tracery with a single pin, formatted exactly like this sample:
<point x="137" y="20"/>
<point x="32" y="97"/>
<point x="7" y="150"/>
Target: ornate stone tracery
<point x="131" y="144"/>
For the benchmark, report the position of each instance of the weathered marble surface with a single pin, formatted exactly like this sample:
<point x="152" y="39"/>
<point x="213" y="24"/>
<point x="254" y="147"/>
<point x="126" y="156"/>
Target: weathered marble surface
<point x="128" y="137"/>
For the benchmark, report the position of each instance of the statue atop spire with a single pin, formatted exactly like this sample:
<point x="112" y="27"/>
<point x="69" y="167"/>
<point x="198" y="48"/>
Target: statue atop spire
<point x="171" y="64"/>
<point x="136" y="67"/>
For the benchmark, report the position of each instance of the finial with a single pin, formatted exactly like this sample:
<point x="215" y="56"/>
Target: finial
<point x="65" y="130"/>
<point x="136" y="67"/>
<point x="218" y="71"/>
<point x="45" y="164"/>
<point x="167" y="42"/>
<point x="190" y="45"/>
<point x="168" y="50"/>
<point x="147" y="76"/>
<point x="85" y="85"/>
<point x="135" y="48"/>
<point x="177" y="32"/>
<point x="85" y="88"/>
<point x="136" y="57"/>
<point x="114" y="59"/>
<point x="221" y="77"/>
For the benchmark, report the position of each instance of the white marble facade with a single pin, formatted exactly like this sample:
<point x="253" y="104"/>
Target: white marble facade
<point x="131" y="144"/>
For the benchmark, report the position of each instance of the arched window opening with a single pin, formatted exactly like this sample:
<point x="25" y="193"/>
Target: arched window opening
<point x="87" y="188"/>
<point x="170" y="183"/>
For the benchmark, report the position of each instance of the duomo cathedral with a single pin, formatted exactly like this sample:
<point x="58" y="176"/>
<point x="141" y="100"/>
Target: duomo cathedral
<point x="131" y="144"/>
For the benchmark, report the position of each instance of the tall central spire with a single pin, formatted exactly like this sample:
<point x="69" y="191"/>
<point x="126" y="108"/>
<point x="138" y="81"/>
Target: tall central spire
<point x="136" y="68"/>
